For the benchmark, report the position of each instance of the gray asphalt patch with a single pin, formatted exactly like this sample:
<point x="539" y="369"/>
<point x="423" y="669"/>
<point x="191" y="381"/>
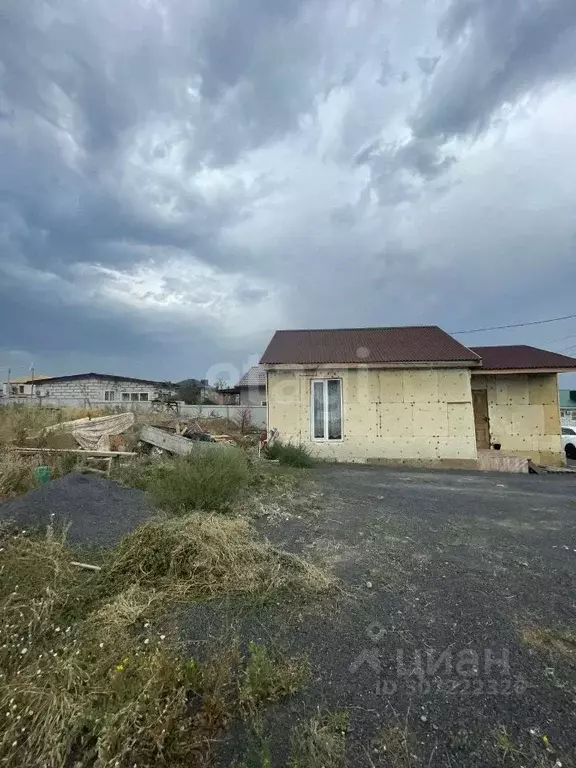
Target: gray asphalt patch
<point x="99" y="511"/>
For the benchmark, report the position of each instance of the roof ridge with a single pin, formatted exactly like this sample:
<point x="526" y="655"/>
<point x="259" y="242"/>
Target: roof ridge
<point x="360" y="328"/>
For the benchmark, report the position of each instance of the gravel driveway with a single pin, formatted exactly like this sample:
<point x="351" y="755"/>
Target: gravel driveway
<point x="444" y="575"/>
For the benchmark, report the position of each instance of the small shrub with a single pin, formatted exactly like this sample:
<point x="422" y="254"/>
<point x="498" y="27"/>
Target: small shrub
<point x="291" y="455"/>
<point x="211" y="478"/>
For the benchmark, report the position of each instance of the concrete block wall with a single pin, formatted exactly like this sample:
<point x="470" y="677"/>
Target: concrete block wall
<point x="419" y="415"/>
<point x="92" y="389"/>
<point x="524" y="415"/>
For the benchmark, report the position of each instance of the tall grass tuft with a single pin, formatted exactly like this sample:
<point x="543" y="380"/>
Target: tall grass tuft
<point x="291" y="455"/>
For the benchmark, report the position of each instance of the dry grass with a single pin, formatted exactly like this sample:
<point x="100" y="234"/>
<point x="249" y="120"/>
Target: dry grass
<point x="207" y="556"/>
<point x="560" y="642"/>
<point x="19" y="423"/>
<point x="24" y="425"/>
<point x="17" y="470"/>
<point x="86" y="679"/>
<point x="320" y="742"/>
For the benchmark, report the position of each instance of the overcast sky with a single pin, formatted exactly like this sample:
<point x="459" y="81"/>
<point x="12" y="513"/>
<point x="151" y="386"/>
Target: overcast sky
<point x="179" y="178"/>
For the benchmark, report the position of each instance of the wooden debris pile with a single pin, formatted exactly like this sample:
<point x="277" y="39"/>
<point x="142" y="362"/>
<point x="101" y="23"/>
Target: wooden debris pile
<point x="181" y="440"/>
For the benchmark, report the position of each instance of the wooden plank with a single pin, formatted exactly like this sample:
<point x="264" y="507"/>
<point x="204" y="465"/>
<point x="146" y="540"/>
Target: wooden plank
<point x="168" y="441"/>
<point x="103" y="454"/>
<point x="86" y="566"/>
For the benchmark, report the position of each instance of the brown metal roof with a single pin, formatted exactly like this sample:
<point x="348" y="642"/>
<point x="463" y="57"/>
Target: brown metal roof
<point x="411" y="344"/>
<point x="107" y="376"/>
<point x="519" y="357"/>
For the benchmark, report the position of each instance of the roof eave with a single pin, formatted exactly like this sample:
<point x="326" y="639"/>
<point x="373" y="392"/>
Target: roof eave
<point x="363" y="366"/>
<point x="500" y="371"/>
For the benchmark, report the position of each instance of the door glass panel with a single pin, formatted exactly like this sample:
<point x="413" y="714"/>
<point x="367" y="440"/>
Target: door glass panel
<point x="318" y="401"/>
<point x="334" y="410"/>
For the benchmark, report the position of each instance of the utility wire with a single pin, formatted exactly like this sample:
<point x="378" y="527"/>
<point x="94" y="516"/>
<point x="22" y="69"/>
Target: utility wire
<point x="514" y="325"/>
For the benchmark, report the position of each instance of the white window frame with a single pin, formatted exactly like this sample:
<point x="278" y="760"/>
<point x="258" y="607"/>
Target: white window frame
<point x="125" y="397"/>
<point x="143" y="396"/>
<point x="109" y="395"/>
<point x="326" y="439"/>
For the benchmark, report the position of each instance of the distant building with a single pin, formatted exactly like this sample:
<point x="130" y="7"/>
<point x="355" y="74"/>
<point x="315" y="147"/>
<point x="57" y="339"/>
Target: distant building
<point x="90" y="388"/>
<point x="567" y="398"/>
<point x="252" y="386"/>
<point x="22" y="386"/>
<point x="201" y="391"/>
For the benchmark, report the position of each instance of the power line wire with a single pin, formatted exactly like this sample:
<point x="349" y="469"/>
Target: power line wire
<point x="514" y="325"/>
<point x="557" y="341"/>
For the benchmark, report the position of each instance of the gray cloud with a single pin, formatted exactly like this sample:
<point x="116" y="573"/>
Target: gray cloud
<point x="177" y="179"/>
<point x="495" y="52"/>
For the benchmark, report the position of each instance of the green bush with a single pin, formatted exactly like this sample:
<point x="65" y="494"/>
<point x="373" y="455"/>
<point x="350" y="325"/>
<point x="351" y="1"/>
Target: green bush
<point x="290" y="455"/>
<point x="211" y="478"/>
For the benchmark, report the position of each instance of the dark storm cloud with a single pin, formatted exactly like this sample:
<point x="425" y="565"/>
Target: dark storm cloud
<point x="250" y="60"/>
<point x="494" y="53"/>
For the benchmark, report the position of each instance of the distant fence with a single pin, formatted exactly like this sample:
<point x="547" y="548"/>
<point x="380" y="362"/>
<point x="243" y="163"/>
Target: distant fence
<point x="232" y="412"/>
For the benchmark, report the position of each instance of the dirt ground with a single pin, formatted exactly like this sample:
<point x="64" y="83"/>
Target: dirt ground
<point x="452" y="642"/>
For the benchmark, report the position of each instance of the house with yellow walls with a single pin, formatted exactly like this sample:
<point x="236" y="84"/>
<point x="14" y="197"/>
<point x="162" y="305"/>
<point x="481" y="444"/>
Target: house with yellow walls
<point x="413" y="395"/>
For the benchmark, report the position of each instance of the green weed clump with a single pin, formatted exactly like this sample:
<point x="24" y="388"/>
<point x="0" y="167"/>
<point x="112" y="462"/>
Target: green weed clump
<point x="212" y="478"/>
<point x="291" y="455"/>
<point x="267" y="678"/>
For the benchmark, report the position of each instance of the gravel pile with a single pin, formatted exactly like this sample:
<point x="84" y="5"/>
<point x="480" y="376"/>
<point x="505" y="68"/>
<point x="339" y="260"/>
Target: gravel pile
<point x="99" y="511"/>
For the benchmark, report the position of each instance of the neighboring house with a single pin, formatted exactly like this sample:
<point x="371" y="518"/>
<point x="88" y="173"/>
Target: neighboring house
<point x="567" y="406"/>
<point x="200" y="391"/>
<point x="413" y="393"/>
<point x="23" y="386"/>
<point x="252" y="386"/>
<point x="98" y="388"/>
